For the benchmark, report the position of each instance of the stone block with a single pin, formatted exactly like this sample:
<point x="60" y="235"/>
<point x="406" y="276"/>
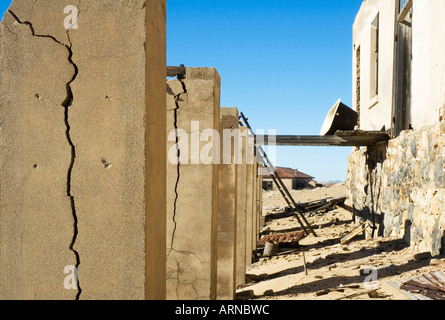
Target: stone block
<point x="439" y="173"/>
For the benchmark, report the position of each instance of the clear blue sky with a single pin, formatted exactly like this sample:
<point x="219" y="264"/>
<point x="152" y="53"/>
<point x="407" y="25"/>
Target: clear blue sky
<point x="282" y="63"/>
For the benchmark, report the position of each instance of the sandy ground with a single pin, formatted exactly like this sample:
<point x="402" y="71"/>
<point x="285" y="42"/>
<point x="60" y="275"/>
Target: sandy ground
<point x="358" y="270"/>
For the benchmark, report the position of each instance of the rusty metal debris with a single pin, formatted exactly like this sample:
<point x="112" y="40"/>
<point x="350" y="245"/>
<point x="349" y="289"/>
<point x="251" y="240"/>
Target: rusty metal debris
<point x="429" y="286"/>
<point x="289" y="239"/>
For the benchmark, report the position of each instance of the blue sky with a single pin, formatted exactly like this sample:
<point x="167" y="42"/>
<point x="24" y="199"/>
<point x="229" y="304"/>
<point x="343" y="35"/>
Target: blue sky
<point x="282" y="63"/>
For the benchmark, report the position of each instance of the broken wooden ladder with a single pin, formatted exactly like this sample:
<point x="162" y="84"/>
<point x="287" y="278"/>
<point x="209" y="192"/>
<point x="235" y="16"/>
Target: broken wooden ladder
<point x="266" y="163"/>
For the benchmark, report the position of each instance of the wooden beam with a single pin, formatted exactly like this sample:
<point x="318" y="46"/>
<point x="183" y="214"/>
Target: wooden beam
<point x="176" y="71"/>
<point x="340" y="139"/>
<point x="351" y="235"/>
<point x="282" y="140"/>
<point x="406" y="8"/>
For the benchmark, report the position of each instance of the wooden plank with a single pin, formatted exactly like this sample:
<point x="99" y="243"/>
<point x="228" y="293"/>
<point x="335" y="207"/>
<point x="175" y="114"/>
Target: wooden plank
<point x="318" y="203"/>
<point x="360" y="133"/>
<point x="326" y="206"/>
<point x="314" y="206"/>
<point x="406" y="8"/>
<point x="363" y="138"/>
<point x="354" y="233"/>
<point x="342" y="140"/>
<point x="304" y="263"/>
<point x="357" y="294"/>
<point x="288" y="140"/>
<point x="176" y="71"/>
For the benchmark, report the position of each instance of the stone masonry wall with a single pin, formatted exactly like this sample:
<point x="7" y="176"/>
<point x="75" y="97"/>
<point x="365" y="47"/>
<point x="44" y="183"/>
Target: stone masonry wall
<point x="402" y="185"/>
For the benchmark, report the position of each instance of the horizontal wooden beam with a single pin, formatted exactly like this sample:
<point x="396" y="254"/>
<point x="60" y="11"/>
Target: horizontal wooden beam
<point x="176" y="71"/>
<point x="340" y="139"/>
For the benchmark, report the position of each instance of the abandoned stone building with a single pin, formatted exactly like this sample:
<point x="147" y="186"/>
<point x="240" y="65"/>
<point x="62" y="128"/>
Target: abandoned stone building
<point x="399" y="88"/>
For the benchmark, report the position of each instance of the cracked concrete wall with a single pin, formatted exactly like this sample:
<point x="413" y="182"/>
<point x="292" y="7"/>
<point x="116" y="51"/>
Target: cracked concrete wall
<point x="227" y="206"/>
<point x="36" y="226"/>
<point x="192" y="187"/>
<point x="79" y="117"/>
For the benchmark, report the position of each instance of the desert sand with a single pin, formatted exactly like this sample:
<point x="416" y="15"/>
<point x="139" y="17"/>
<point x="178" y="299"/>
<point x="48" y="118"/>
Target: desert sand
<point x="362" y="269"/>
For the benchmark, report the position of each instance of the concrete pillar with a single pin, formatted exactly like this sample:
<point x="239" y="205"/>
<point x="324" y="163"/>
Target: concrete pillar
<point x="241" y="228"/>
<point x="250" y="201"/>
<point x="262" y="219"/>
<point x="259" y="201"/>
<point x="82" y="161"/>
<point x="227" y="204"/>
<point x="255" y="215"/>
<point x="193" y="115"/>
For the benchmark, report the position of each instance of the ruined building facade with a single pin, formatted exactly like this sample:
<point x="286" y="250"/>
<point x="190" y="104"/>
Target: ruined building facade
<point x="399" y="87"/>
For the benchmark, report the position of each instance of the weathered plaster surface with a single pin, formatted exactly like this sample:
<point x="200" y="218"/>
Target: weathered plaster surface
<point x="79" y="111"/>
<point x="227" y="205"/>
<point x="192" y="187"/>
<point x="36" y="211"/>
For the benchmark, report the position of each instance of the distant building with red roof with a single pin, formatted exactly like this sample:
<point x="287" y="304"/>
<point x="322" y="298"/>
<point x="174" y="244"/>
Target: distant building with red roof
<point x="292" y="179"/>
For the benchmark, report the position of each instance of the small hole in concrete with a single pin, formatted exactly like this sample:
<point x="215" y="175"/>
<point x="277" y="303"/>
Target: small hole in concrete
<point x="106" y="164"/>
<point x="35" y="166"/>
<point x="37" y="96"/>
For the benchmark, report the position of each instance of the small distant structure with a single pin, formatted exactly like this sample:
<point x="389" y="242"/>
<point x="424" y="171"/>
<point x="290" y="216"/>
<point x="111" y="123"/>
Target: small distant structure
<point x="292" y="179"/>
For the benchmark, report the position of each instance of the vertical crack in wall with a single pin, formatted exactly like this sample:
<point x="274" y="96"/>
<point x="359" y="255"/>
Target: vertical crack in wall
<point x="66" y="104"/>
<point x="178" y="156"/>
